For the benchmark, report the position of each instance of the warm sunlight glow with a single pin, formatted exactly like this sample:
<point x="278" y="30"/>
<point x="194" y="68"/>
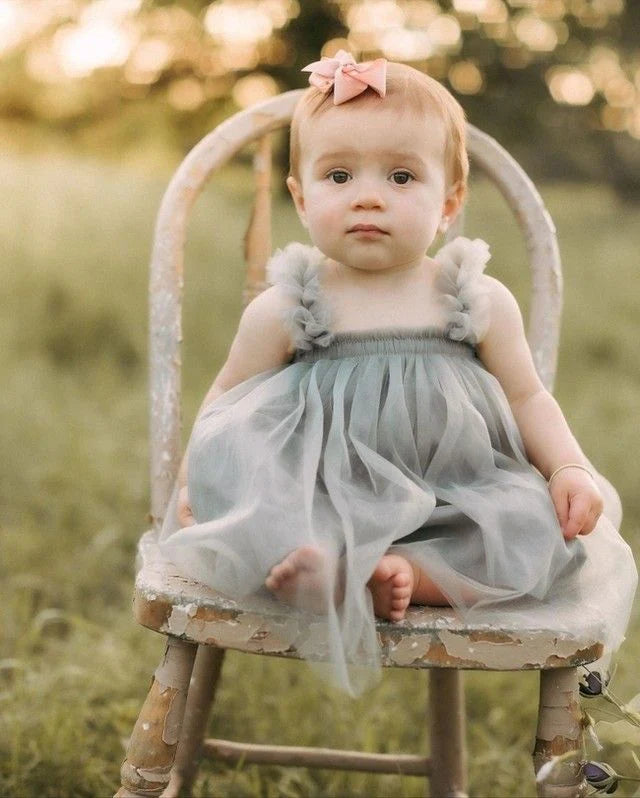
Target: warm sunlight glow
<point x="238" y="56"/>
<point x="535" y="33"/>
<point x="495" y="12"/>
<point x="620" y="92"/>
<point x="254" y="88"/>
<point x="569" y="85"/>
<point x="83" y="48"/>
<point x="237" y="24"/>
<point x="445" y="30"/>
<point x="12" y="22"/>
<point x="42" y="64"/>
<point x="401" y="44"/>
<point x="377" y="15"/>
<point x="186" y="94"/>
<point x="465" y="77"/>
<point x="552" y="9"/>
<point x="419" y="13"/>
<point x="247" y="22"/>
<point x="148" y="60"/>
<point x="470" y="6"/>
<point x="110" y="10"/>
<point x="330" y="48"/>
<point x="604" y="66"/>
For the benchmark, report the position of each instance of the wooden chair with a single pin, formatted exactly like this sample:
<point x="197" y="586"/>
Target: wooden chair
<point x="168" y="736"/>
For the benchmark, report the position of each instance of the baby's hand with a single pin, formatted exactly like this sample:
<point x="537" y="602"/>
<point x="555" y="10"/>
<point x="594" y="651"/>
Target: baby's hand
<point x="185" y="516"/>
<point x="577" y="500"/>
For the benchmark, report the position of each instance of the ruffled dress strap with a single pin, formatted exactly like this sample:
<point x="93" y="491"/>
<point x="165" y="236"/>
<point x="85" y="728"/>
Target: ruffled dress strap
<point x="464" y="294"/>
<point x="295" y="268"/>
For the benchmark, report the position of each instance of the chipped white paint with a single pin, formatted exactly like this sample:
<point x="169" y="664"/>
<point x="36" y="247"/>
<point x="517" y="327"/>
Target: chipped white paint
<point x="177" y="622"/>
<point x="158" y="775"/>
<point x="522" y="651"/>
<point x="170" y="672"/>
<point x="559" y="699"/>
<point x="558" y="723"/>
<point x="135" y="777"/>
<point x="428" y="636"/>
<point x="408" y="651"/>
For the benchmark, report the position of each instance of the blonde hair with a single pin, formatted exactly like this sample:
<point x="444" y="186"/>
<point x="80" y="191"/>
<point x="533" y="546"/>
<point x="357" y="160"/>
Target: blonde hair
<point x="407" y="90"/>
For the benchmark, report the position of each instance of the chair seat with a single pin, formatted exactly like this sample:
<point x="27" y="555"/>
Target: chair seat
<point x="170" y="603"/>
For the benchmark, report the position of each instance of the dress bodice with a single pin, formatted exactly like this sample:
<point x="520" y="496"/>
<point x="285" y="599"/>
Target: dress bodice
<point x="296" y="268"/>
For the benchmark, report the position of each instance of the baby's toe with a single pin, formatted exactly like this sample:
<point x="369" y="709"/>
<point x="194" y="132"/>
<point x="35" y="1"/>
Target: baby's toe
<point x="272" y="581"/>
<point x="401" y="591"/>
<point x="382" y="573"/>
<point x="277" y="575"/>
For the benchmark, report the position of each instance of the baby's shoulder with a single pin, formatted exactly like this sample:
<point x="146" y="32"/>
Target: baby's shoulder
<point x="503" y="306"/>
<point x="263" y="316"/>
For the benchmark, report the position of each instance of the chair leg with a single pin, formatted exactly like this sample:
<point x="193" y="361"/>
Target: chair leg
<point x="559" y="732"/>
<point x="206" y="673"/>
<point x="152" y="748"/>
<point x="447" y="726"/>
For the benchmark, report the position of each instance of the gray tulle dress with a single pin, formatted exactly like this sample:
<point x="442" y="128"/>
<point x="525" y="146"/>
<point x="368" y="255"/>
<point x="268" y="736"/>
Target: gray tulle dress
<point x="389" y="440"/>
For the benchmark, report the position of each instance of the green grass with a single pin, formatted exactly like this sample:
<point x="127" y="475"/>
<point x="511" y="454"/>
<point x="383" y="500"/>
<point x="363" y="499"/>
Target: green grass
<point x="74" y="668"/>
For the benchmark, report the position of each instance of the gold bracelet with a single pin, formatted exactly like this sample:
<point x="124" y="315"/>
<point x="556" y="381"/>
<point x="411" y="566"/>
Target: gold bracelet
<point x="570" y="465"/>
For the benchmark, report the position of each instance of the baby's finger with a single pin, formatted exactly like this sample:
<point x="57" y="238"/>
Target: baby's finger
<point x="561" y="503"/>
<point x="579" y="506"/>
<point x="590" y="523"/>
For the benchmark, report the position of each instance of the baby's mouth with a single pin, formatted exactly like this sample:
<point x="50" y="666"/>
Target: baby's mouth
<point x="366" y="228"/>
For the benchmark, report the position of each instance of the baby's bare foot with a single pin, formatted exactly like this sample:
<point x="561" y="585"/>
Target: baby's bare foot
<point x="392" y="586"/>
<point x="304" y="579"/>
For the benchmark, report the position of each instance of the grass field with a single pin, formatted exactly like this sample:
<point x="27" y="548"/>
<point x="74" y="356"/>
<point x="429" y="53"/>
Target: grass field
<point x="74" y="668"/>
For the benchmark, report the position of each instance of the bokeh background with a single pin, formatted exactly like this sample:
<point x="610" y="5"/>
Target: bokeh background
<point x="99" y="102"/>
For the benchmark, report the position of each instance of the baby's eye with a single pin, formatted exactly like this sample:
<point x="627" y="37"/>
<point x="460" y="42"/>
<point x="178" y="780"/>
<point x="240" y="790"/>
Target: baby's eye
<point x="401" y="177"/>
<point x="338" y="176"/>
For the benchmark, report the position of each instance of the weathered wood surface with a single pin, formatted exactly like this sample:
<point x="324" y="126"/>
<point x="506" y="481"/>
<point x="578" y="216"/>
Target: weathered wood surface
<point x="429" y="637"/>
<point x="202" y="691"/>
<point x="329" y="758"/>
<point x="447" y="732"/>
<point x="560" y="733"/>
<point x="257" y="240"/>
<point x="152" y="747"/>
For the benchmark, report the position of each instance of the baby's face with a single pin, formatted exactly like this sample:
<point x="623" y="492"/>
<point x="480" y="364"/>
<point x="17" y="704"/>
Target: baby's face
<point x="372" y="186"/>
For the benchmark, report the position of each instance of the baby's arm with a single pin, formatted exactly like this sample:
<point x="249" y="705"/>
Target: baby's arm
<point x="547" y="438"/>
<point x="261" y="343"/>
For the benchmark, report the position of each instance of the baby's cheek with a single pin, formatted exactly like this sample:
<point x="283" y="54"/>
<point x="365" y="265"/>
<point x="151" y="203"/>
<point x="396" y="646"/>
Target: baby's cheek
<point x="326" y="219"/>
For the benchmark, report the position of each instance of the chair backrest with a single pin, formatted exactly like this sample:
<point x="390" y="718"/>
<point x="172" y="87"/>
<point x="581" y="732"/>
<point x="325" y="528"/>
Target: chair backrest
<point x="167" y="262"/>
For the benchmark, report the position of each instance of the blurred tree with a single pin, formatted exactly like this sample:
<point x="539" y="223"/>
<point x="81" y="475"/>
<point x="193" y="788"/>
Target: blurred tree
<point x="556" y="81"/>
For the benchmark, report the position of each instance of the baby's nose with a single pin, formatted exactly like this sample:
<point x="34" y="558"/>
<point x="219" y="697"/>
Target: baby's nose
<point x="367" y="195"/>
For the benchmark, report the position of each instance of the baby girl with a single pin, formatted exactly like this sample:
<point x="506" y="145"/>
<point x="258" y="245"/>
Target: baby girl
<point x="378" y="435"/>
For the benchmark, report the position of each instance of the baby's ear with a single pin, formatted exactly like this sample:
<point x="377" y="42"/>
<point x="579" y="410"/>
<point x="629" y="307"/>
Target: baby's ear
<point x="295" y="189"/>
<point x="455" y="198"/>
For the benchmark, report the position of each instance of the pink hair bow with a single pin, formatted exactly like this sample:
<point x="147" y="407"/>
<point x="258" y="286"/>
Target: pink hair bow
<point x="347" y="78"/>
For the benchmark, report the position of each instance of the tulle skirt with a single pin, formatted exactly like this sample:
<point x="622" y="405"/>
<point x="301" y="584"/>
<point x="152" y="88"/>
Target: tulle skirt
<point x="378" y="445"/>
